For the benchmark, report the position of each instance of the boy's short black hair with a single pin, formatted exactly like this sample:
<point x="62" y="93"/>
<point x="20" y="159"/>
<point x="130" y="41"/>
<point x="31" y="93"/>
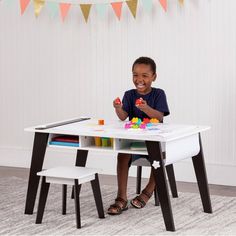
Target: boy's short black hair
<point x="146" y="61"/>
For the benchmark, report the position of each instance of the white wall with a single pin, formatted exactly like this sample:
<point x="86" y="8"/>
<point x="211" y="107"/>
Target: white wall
<point x="51" y="70"/>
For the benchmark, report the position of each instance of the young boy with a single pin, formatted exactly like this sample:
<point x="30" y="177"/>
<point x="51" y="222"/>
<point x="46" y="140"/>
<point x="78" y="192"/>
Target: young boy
<point x="152" y="104"/>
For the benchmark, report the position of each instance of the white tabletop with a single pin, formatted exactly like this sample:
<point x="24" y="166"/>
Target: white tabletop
<point x="115" y="129"/>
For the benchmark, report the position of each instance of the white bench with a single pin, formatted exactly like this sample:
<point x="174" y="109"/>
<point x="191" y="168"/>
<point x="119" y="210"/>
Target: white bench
<point x="74" y="176"/>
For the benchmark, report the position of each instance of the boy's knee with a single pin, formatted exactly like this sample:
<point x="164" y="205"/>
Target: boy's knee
<point x="123" y="157"/>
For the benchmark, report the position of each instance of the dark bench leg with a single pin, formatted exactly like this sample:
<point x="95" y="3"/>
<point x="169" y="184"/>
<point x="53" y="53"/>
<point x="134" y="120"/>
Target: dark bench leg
<point x="77" y="204"/>
<point x="81" y="159"/>
<point x="157" y="203"/>
<point x="64" y="196"/>
<point x="138" y="179"/>
<point x="155" y="154"/>
<point x="97" y="196"/>
<point x="39" y="148"/>
<point x="200" y="171"/>
<point x="42" y="200"/>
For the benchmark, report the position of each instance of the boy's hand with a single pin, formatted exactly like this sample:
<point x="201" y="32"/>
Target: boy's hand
<point x="117" y="103"/>
<point x="141" y="104"/>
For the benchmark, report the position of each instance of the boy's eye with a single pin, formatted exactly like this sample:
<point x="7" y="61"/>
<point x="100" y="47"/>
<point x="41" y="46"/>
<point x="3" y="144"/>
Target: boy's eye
<point x="144" y="76"/>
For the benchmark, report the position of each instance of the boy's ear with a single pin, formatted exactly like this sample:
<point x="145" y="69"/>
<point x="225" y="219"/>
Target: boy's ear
<point x="154" y="77"/>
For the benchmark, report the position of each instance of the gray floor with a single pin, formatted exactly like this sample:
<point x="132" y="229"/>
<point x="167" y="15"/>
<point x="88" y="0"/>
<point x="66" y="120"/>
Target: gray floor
<point x="111" y="180"/>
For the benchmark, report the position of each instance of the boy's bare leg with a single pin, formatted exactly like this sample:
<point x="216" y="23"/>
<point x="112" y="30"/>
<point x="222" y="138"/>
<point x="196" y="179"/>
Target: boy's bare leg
<point x="122" y="180"/>
<point x="122" y="174"/>
<point x="149" y="188"/>
<point x="151" y="183"/>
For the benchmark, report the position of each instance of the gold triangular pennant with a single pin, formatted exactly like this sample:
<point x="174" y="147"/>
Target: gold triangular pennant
<point x="132" y="4"/>
<point x="38" y="5"/>
<point x="85" y="8"/>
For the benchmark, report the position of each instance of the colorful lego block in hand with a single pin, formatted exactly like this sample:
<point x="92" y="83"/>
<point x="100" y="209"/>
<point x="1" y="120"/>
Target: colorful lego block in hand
<point x="138" y="101"/>
<point x="117" y="101"/>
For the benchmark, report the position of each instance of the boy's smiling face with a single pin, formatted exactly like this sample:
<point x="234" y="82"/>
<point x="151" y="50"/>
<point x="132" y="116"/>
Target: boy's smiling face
<point x="143" y="77"/>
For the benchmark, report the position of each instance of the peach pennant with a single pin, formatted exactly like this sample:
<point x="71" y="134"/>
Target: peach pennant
<point x="117" y="7"/>
<point x="163" y="4"/>
<point x="64" y="8"/>
<point x="23" y="5"/>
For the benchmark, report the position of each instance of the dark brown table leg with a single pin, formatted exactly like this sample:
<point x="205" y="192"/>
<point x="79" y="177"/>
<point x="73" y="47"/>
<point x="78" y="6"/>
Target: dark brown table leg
<point x="155" y="154"/>
<point x="38" y="153"/>
<point x="200" y="171"/>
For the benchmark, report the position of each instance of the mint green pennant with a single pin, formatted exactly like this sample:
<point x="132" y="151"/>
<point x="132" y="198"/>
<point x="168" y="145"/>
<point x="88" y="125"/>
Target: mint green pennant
<point x="53" y="8"/>
<point x="147" y="5"/>
<point x="101" y="9"/>
<point x="8" y="3"/>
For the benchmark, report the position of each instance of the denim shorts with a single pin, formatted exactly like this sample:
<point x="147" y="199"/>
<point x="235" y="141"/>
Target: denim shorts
<point x="135" y="157"/>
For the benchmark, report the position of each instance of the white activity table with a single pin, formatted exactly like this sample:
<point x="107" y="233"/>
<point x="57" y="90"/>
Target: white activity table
<point x="177" y="141"/>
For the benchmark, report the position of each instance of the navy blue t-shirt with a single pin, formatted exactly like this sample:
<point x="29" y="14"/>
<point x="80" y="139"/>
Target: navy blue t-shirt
<point x="156" y="99"/>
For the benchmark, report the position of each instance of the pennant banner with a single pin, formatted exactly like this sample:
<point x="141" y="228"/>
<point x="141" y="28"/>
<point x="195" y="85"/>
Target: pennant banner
<point x="56" y="6"/>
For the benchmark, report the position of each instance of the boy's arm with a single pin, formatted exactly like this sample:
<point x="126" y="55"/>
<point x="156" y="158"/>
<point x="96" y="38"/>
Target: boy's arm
<point x="150" y="111"/>
<point x="121" y="113"/>
<point x="154" y="113"/>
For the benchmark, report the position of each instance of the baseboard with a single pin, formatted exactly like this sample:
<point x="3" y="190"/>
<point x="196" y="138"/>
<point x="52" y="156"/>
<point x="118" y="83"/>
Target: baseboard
<point x="21" y="157"/>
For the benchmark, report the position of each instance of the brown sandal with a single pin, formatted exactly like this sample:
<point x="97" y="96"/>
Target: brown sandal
<point x="119" y="206"/>
<point x="140" y="201"/>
